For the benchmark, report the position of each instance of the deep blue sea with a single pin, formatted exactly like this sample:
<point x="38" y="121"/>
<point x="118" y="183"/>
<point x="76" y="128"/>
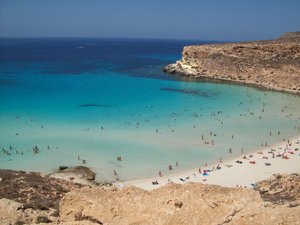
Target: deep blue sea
<point x="103" y="98"/>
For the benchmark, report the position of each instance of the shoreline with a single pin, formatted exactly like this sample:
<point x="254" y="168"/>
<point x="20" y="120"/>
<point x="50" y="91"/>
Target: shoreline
<point x="220" y="80"/>
<point x="248" y="174"/>
<point x="214" y="177"/>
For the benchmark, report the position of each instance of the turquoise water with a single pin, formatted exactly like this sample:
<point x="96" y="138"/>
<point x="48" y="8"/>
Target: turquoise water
<point x="116" y="102"/>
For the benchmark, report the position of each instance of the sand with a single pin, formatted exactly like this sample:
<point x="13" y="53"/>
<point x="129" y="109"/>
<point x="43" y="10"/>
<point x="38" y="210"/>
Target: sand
<point x="233" y="174"/>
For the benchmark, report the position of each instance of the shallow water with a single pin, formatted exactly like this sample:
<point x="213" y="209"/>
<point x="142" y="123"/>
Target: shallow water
<point x="104" y="98"/>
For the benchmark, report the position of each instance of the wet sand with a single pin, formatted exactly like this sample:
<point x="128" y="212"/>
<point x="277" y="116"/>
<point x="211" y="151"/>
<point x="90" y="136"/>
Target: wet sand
<point x="239" y="171"/>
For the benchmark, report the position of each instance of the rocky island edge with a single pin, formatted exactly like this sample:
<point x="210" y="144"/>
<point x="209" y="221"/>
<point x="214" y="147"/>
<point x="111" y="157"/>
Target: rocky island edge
<point x="271" y="64"/>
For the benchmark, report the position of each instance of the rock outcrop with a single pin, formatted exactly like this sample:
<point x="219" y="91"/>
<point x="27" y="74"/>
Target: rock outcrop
<point x="273" y="64"/>
<point x="281" y="189"/>
<point x="273" y="201"/>
<point x="78" y="174"/>
<point x="28" y="198"/>
<point x="186" y="204"/>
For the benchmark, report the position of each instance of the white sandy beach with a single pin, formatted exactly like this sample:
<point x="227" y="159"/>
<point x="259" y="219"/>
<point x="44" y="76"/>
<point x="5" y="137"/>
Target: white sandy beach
<point x="232" y="173"/>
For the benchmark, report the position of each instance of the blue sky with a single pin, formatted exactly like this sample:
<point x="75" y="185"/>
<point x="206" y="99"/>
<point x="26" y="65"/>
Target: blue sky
<point x="172" y="19"/>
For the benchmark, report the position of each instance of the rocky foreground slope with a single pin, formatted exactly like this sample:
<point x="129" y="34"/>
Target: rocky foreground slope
<point x="273" y="64"/>
<point x="274" y="201"/>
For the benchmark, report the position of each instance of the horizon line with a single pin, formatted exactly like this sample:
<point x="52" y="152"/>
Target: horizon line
<point x="128" y="38"/>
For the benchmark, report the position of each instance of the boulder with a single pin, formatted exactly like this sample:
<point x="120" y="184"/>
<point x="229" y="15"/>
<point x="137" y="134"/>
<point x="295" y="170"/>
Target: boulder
<point x="84" y="172"/>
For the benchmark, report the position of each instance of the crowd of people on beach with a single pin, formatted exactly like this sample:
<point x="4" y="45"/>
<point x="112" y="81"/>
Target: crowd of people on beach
<point x="208" y="138"/>
<point x="290" y="149"/>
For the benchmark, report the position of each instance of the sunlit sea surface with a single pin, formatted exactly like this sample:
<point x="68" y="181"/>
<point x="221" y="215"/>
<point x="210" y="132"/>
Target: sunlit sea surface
<point x="98" y="99"/>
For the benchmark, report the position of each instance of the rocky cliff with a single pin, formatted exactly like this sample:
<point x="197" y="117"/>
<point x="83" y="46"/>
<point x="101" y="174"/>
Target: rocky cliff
<point x="188" y="204"/>
<point x="273" y="64"/>
<point x="273" y="201"/>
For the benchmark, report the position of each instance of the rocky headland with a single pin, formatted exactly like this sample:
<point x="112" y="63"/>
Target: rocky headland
<point x="272" y="64"/>
<point x="30" y="198"/>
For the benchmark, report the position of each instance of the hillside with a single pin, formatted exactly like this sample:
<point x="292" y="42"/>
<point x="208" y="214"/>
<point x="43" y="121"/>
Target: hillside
<point x="29" y="198"/>
<point x="273" y="64"/>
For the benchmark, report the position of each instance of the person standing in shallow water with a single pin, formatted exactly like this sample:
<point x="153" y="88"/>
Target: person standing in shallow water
<point x="160" y="173"/>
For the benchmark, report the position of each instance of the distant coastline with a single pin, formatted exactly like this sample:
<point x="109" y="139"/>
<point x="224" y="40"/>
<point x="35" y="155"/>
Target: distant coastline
<point x="273" y="65"/>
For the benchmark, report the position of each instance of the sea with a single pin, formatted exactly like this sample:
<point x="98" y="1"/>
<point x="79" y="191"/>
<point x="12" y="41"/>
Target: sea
<point x="107" y="105"/>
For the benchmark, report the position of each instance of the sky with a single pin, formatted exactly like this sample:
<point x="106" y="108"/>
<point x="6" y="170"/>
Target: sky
<point x="223" y="20"/>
